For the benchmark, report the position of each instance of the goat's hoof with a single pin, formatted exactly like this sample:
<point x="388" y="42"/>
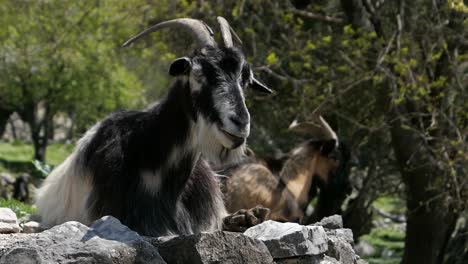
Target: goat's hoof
<point x="243" y="219"/>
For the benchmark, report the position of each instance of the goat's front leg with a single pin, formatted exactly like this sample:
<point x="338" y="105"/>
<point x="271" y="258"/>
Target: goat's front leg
<point x="245" y="218"/>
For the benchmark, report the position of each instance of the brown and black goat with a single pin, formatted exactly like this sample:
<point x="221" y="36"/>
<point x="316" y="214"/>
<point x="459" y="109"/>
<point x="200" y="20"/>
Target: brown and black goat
<point x="319" y="163"/>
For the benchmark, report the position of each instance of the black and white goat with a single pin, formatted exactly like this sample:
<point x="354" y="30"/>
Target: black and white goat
<point x="149" y="168"/>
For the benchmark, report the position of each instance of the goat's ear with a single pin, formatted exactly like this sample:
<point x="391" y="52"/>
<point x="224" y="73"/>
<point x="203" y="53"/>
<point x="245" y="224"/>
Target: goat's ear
<point x="180" y="66"/>
<point x="328" y="146"/>
<point x="256" y="85"/>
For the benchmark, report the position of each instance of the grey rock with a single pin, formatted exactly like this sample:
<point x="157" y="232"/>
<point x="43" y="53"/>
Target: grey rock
<point x="213" y="247"/>
<point x="361" y="261"/>
<point x="331" y="222"/>
<point x="344" y="233"/>
<point x="341" y="250"/>
<point x="329" y="260"/>
<point x="8" y="216"/>
<point x="31" y="227"/>
<point x="21" y="255"/>
<point x="107" y="241"/>
<point x="8" y="221"/>
<point x="6" y="178"/>
<point x="365" y="249"/>
<point x="321" y="259"/>
<point x="286" y="240"/>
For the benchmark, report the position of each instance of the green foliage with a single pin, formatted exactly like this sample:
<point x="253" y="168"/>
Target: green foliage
<point x="391" y="204"/>
<point x="65" y="54"/>
<point x="383" y="260"/>
<point x="58" y="152"/>
<point x="43" y="168"/>
<point x="272" y="58"/>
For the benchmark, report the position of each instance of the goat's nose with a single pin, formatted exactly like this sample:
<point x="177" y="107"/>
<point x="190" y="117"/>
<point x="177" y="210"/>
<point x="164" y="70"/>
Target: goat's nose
<point x="239" y="121"/>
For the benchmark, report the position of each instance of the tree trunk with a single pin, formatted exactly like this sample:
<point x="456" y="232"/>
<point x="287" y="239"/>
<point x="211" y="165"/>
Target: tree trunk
<point x="4" y="116"/>
<point x="40" y="145"/>
<point x="358" y="213"/>
<point x="39" y="119"/>
<point x="430" y="221"/>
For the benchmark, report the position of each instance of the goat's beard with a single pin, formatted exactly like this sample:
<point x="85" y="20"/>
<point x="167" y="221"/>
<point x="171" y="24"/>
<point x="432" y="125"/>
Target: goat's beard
<point x="212" y="148"/>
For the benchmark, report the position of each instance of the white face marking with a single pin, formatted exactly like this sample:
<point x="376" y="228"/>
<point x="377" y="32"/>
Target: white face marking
<point x="212" y="144"/>
<point x="226" y="108"/>
<point x="196" y="78"/>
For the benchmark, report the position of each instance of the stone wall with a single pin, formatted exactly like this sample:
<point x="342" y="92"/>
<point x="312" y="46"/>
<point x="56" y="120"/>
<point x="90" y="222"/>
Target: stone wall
<point x="109" y="241"/>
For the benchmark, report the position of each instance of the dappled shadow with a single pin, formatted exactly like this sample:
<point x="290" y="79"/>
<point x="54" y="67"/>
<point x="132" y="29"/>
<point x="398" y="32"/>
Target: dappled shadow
<point x="110" y="228"/>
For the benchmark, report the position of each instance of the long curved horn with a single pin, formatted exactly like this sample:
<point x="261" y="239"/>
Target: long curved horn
<point x="322" y="130"/>
<point x="199" y="30"/>
<point x="327" y="130"/>
<point x="305" y="128"/>
<point x="226" y="31"/>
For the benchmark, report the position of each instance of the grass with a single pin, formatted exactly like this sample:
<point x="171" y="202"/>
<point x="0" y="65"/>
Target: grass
<point x="389" y="245"/>
<point x="391" y="204"/>
<point x="22" y="210"/>
<point x="383" y="260"/>
<point x="388" y="241"/>
<point x="16" y="157"/>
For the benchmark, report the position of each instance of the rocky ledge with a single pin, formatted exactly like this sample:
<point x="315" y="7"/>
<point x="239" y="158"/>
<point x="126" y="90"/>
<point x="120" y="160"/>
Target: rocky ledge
<point x="109" y="241"/>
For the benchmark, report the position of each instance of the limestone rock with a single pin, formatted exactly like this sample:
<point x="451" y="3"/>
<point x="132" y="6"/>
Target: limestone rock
<point x="106" y="241"/>
<point x="331" y="222"/>
<point x="213" y="247"/>
<point x="344" y="233"/>
<point x="341" y="250"/>
<point x="31" y="227"/>
<point x="286" y="240"/>
<point x="8" y="221"/>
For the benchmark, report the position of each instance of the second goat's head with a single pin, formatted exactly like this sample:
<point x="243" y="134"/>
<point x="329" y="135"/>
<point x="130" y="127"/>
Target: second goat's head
<point x="216" y="77"/>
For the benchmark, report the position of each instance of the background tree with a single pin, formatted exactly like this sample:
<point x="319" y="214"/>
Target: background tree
<point x="53" y="59"/>
<point x="391" y="75"/>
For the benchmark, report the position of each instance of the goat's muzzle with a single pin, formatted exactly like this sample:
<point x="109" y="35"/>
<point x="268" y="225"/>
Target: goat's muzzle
<point x="236" y="141"/>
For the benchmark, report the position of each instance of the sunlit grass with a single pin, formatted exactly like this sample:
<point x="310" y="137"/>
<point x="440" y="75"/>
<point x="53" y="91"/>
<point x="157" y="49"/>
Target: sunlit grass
<point x="17" y="157"/>
<point x="57" y="153"/>
<point x="387" y="241"/>
<point x="389" y="245"/>
<point x="391" y="204"/>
